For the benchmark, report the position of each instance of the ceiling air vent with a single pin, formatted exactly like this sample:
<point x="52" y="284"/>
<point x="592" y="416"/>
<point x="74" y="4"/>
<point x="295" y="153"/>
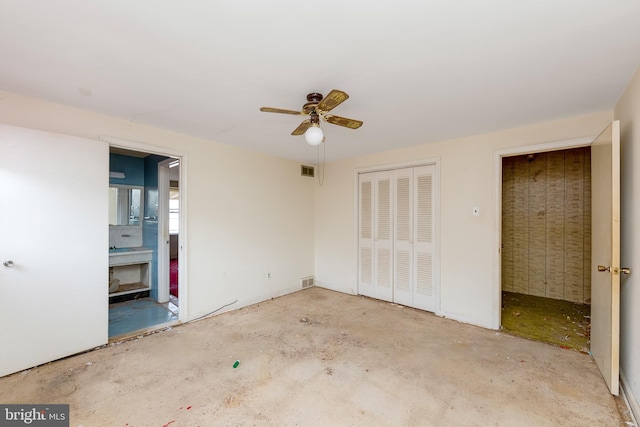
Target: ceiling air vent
<point x="306" y="171"/>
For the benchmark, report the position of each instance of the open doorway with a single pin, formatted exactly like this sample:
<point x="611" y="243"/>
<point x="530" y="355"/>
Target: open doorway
<point x="139" y="267"/>
<point x="169" y="230"/>
<point x="546" y="246"/>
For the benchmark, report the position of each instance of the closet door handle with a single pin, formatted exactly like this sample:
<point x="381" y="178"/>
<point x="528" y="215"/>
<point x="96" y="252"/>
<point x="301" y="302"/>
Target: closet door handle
<point x="603" y="268"/>
<point x="8" y="263"/>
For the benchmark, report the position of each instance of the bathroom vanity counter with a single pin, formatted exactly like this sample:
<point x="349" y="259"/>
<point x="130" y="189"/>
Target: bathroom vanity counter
<point x="127" y="256"/>
<point x="132" y="268"/>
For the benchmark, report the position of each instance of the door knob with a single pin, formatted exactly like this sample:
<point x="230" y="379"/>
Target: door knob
<point x="624" y="270"/>
<point x="8" y="263"/>
<point x="603" y="268"/>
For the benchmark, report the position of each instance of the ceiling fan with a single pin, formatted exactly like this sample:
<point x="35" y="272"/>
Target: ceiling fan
<point x="316" y="108"/>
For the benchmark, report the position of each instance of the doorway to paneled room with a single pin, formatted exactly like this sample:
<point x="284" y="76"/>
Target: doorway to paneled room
<point x="546" y="246"/>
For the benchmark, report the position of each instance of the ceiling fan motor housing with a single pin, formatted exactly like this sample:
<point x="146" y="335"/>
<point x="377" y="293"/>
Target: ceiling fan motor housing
<point x="314" y="97"/>
<point x="310" y="107"/>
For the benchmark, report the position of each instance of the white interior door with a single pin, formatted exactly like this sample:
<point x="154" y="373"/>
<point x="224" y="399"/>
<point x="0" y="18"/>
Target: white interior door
<point x="397" y="236"/>
<point x="54" y="246"/>
<point x="365" y="235"/>
<point x="424" y="247"/>
<point x="605" y="276"/>
<point x="383" y="242"/>
<point x="403" y="236"/>
<point x="163" y="230"/>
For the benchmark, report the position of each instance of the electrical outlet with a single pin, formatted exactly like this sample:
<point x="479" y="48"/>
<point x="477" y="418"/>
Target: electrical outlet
<point x="268" y="275"/>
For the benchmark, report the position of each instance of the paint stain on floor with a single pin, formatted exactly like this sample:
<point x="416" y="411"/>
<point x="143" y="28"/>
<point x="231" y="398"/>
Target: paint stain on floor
<point x="562" y="323"/>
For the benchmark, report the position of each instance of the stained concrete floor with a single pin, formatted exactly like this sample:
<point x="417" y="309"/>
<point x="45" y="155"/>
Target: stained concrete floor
<point x="320" y="358"/>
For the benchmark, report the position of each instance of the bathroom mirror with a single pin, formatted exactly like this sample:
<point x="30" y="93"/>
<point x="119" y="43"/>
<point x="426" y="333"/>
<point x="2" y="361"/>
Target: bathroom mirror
<point x="125" y="204"/>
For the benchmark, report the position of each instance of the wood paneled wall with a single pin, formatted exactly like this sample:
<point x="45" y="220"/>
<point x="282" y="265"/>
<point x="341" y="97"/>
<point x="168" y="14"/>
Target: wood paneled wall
<point x="546" y="224"/>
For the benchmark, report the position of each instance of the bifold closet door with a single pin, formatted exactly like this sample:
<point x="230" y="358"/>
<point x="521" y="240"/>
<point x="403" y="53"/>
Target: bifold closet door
<point x="424" y="293"/>
<point x="383" y="255"/>
<point x="403" y="236"/>
<point x="375" y="235"/>
<point x="397" y="236"/>
<point x="365" y="235"/>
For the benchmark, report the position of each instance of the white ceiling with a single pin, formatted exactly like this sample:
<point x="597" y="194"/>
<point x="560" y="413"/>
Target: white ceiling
<point x="416" y="71"/>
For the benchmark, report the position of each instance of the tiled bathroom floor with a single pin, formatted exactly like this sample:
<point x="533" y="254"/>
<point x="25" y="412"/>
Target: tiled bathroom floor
<point x="130" y="316"/>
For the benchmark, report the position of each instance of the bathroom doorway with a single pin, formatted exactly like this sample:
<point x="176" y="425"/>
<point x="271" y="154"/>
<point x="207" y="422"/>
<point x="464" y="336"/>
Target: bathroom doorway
<point x="140" y="269"/>
<point x="169" y="230"/>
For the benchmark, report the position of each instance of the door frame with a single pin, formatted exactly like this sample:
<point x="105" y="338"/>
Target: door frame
<point x="163" y="230"/>
<point x="497" y="230"/>
<point x="181" y="155"/>
<point x="431" y="161"/>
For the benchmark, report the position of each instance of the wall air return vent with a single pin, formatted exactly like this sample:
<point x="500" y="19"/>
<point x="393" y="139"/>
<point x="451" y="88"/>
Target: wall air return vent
<point x="307" y="171"/>
<point x="307" y="282"/>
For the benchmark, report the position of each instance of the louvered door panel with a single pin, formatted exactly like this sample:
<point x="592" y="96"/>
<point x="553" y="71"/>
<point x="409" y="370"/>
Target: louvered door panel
<point x="383" y="235"/>
<point x="366" y="233"/>
<point x="424" y="273"/>
<point x="403" y="236"/>
<point x="424" y="295"/>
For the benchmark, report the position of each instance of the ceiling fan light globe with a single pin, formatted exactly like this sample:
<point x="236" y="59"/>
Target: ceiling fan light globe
<point x="314" y="136"/>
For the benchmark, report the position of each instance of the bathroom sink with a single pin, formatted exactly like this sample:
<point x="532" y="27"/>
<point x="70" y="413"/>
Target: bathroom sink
<point x="116" y="250"/>
<point x="129" y="256"/>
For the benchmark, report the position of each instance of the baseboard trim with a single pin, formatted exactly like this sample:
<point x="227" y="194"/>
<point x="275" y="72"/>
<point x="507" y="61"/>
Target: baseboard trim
<point x="629" y="398"/>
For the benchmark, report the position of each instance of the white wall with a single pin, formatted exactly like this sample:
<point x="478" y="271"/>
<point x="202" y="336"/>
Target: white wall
<point x="628" y="112"/>
<point x="468" y="256"/>
<point x="247" y="214"/>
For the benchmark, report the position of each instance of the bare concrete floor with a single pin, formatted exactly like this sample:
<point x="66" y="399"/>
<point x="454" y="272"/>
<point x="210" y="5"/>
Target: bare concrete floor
<point x="321" y="358"/>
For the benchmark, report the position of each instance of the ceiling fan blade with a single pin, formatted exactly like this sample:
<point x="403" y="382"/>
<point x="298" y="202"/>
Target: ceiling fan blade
<point x="280" y="110"/>
<point x="331" y="101"/>
<point x="302" y="128"/>
<point x="343" y="121"/>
